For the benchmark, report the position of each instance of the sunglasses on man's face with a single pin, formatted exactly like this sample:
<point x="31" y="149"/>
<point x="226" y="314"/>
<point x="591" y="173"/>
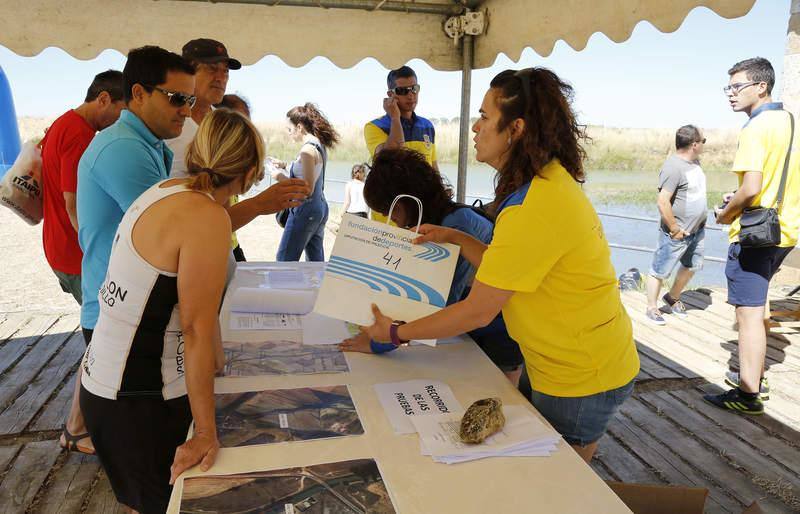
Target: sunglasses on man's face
<point x="404" y="90"/>
<point x="177" y="99"/>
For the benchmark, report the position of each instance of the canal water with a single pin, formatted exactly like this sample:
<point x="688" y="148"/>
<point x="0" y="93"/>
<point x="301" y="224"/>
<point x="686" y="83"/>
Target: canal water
<point x="641" y="187"/>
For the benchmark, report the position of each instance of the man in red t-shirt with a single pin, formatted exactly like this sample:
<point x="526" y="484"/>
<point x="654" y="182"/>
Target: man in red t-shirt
<point x="62" y="148"/>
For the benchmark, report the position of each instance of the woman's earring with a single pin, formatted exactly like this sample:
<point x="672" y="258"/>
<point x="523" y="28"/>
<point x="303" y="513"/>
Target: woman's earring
<point x="509" y="140"/>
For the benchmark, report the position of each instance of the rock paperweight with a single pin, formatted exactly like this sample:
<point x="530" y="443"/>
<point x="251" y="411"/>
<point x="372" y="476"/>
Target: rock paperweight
<point x="482" y="419"/>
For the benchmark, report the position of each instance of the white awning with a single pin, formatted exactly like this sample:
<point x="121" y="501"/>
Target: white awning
<point x="393" y="32"/>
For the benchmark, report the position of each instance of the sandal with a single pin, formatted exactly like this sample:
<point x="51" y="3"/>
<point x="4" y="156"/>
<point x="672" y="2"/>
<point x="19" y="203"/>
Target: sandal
<point x="71" y="441"/>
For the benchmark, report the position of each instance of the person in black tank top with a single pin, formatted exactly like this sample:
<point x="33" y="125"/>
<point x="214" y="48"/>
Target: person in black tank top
<point x="159" y="307"/>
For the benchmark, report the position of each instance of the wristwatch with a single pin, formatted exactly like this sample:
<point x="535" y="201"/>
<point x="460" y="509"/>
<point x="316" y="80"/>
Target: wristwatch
<point x="393" y="333"/>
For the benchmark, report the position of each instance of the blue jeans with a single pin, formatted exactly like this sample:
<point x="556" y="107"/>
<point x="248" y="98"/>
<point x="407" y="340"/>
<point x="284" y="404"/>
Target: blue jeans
<point x="689" y="251"/>
<point x="304" y="230"/>
<point x="581" y="420"/>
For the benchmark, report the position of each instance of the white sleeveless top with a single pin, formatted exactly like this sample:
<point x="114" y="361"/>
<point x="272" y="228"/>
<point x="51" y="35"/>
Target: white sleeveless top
<point x="357" y="202"/>
<point x="296" y="166"/>
<point x="137" y="345"/>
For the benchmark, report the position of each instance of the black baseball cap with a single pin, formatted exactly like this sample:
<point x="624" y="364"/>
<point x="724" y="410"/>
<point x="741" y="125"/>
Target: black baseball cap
<point x="208" y="51"/>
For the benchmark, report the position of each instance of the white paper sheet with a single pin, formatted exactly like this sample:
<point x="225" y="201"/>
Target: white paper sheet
<point x="319" y="329"/>
<point x="523" y="435"/>
<point x="258" y="321"/>
<point x="414" y="398"/>
<point x="267" y="300"/>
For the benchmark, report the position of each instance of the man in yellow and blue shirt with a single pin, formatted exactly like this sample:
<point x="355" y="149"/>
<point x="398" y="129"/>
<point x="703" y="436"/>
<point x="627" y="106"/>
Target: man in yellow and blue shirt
<point x="764" y="147"/>
<point x="401" y="126"/>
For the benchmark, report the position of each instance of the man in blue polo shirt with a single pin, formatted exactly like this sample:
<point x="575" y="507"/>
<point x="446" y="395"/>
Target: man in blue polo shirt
<point x="401" y="126"/>
<point x="119" y="164"/>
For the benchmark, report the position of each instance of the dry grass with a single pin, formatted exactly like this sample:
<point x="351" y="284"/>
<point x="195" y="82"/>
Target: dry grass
<point x="619" y="149"/>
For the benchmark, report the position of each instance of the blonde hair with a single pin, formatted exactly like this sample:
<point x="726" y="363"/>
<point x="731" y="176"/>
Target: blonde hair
<point x="226" y="147"/>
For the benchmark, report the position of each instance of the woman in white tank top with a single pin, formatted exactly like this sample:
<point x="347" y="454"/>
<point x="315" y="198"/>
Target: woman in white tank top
<point x="149" y="369"/>
<point x="354" y="202"/>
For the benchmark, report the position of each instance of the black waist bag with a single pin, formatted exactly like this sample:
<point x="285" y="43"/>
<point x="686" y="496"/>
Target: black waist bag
<point x="761" y="226"/>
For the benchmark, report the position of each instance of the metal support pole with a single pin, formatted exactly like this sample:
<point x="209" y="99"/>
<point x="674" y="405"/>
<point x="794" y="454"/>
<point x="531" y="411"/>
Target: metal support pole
<point x="467" y="43"/>
<point x="443" y="9"/>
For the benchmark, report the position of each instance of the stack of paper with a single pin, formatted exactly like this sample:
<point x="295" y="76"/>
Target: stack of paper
<point x="523" y="435"/>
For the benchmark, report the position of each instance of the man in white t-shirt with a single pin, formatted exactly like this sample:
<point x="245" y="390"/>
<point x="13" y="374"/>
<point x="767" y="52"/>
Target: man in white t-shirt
<point x="212" y="64"/>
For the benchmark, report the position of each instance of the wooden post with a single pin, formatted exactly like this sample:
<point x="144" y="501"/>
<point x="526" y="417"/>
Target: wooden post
<point x="791" y="62"/>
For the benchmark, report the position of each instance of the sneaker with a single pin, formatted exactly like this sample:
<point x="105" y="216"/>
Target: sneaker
<point x="676" y="307"/>
<point x="735" y="402"/>
<point x="655" y="317"/>
<point x="732" y="379"/>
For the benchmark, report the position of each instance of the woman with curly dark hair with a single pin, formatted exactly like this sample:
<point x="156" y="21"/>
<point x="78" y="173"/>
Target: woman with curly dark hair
<point x="406" y="172"/>
<point x="305" y="226"/>
<point x="548" y="266"/>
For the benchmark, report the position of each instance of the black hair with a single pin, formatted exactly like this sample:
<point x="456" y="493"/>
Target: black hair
<point x="757" y="69"/>
<point x="402" y="171"/>
<point x="403" y="72"/>
<point x="109" y="81"/>
<point x="148" y="67"/>
<point x="686" y="135"/>
<point x="233" y="102"/>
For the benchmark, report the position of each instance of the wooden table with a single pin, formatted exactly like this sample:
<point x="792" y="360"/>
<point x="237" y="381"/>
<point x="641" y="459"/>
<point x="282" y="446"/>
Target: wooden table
<point x="561" y="484"/>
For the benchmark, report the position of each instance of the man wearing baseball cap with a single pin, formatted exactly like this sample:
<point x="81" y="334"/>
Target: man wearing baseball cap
<point x="211" y="63"/>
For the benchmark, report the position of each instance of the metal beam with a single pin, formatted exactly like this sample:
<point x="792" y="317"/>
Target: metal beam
<point x="467" y="47"/>
<point x="452" y="9"/>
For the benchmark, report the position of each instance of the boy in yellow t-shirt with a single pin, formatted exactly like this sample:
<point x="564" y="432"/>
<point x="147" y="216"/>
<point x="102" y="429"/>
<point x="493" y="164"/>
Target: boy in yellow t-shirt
<point x="761" y="158"/>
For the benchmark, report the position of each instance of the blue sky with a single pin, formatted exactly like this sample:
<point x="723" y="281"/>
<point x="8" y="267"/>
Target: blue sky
<point x="651" y="80"/>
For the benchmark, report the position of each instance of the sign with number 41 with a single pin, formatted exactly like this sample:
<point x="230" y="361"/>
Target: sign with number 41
<point x="373" y="262"/>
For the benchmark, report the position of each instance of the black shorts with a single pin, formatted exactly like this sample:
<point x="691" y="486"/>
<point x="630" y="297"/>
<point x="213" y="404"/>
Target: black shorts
<point x="135" y="439"/>
<point x="495" y="342"/>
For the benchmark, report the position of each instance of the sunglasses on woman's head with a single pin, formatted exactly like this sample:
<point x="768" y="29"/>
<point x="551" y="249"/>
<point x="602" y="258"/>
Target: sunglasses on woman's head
<point x="177" y="99"/>
<point x="404" y="90"/>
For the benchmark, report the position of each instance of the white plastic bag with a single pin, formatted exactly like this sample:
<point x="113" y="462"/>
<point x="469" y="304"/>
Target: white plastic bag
<point x="21" y="187"/>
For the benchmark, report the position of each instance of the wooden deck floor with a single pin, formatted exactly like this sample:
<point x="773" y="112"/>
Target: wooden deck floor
<point x="665" y="434"/>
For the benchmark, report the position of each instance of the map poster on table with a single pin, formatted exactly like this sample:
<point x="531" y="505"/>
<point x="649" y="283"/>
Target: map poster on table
<point x="372" y="262"/>
<point x="252" y="359"/>
<point x="348" y="487"/>
<point x="279" y="415"/>
<point x="401" y="400"/>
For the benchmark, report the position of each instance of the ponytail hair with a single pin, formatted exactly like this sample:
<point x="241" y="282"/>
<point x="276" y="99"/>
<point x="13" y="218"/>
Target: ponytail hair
<point x="227" y="146"/>
<point x="315" y="123"/>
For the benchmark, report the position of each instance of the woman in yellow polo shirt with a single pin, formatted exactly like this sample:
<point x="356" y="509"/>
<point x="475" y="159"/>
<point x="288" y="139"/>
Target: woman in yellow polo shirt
<point x="548" y="267"/>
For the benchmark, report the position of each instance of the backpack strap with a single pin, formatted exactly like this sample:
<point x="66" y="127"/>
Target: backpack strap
<point x="786" y="163"/>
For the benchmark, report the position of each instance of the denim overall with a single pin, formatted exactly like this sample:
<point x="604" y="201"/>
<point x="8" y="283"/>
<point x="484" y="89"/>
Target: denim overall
<point x="305" y="226"/>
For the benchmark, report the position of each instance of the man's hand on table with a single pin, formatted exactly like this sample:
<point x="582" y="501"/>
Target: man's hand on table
<point x="283" y="195"/>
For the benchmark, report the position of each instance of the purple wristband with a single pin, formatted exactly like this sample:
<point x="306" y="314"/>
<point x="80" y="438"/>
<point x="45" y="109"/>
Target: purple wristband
<point x="393" y="333"/>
